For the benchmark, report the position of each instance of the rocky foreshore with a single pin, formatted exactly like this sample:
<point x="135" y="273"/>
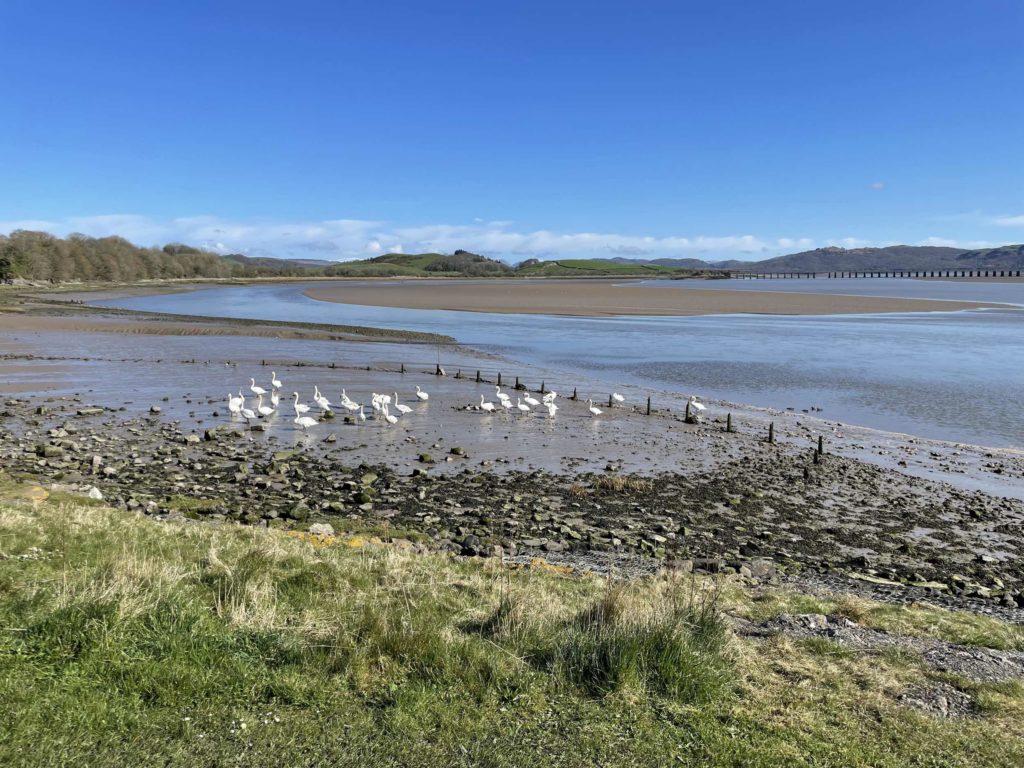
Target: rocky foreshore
<point x="768" y="515"/>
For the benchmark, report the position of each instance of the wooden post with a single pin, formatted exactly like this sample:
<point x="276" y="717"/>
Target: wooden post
<point x="609" y="401"/>
<point x="648" y="405"/>
<point x="437" y="371"/>
<point x="458" y="374"/>
<point x="403" y="368"/>
<point x="728" y="422"/>
<point x="574" y="396"/>
<point x="542" y="387"/>
<point x="807" y="473"/>
<point x="821" y="445"/>
<point x="771" y="432"/>
<point x="686" y="416"/>
<point x="478" y="377"/>
<point x="499" y="378"/>
<point x="817" y="457"/>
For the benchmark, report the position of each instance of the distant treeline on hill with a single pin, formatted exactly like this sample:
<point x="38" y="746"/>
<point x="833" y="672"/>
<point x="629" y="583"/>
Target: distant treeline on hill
<point x="38" y="256"/>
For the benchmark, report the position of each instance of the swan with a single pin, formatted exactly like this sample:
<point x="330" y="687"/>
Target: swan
<point x="617" y="397"/>
<point x="375" y="402"/>
<point x="552" y="409"/>
<point x="263" y="410"/>
<point x="305" y="422"/>
<point x="275" y="400"/>
<point x="694" y="403"/>
<point x="594" y="411"/>
<point x="387" y="416"/>
<point x="300" y="408"/>
<point x="256" y="390"/>
<point x="362" y="415"/>
<point x="235" y="404"/>
<point x="249" y="414"/>
<point x="522" y="408"/>
<point x="532" y="401"/>
<point x="501" y="395"/>
<point x="550" y="397"/>
<point x="323" y="402"/>
<point x="402" y="409"/>
<point x="489" y="407"/>
<point x="274" y="381"/>
<point x="421" y="394"/>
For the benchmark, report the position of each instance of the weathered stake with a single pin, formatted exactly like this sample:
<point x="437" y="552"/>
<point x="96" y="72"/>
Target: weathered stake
<point x="478" y="377"/>
<point x="542" y="387"/>
<point x="728" y="422"/>
<point x="648" y="405"/>
<point x="499" y="378"/>
<point x="821" y="445"/>
<point x="574" y="396"/>
<point x="609" y="401"/>
<point x="771" y="432"/>
<point x="403" y="368"/>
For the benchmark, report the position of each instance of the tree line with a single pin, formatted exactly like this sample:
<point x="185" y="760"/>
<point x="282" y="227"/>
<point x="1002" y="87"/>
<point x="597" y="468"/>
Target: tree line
<point x="39" y="256"/>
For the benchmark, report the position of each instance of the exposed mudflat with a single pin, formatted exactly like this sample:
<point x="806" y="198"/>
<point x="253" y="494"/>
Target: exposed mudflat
<point x="595" y="298"/>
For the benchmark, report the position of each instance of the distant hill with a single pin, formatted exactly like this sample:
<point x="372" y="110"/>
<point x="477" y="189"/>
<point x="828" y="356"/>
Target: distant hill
<point x="835" y="259"/>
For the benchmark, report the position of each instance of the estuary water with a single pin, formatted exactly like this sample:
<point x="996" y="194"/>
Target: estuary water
<point x="948" y="375"/>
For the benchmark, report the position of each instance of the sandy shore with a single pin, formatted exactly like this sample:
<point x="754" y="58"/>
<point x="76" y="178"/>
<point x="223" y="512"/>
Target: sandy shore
<point x="595" y="298"/>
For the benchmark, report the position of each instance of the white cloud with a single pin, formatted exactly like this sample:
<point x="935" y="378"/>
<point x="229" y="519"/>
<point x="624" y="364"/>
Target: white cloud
<point x="1009" y="221"/>
<point x="343" y="239"/>
<point x="878" y="185"/>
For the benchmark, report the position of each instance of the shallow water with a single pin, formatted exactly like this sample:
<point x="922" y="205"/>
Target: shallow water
<point x="956" y="376"/>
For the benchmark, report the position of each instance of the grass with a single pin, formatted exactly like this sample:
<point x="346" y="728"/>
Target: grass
<point x="125" y="641"/>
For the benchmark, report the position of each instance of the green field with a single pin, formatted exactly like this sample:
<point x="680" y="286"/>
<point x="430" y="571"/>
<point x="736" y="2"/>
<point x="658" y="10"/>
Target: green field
<point x="129" y="642"/>
<point x="598" y="268"/>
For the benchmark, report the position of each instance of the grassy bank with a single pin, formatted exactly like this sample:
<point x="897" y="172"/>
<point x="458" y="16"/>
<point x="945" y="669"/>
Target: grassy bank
<point x="127" y="641"/>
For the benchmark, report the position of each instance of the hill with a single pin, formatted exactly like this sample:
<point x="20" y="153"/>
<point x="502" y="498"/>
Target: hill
<point x="835" y="259"/>
<point x="597" y="268"/>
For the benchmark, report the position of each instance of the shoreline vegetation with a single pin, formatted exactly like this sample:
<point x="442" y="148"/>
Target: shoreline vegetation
<point x="204" y="644"/>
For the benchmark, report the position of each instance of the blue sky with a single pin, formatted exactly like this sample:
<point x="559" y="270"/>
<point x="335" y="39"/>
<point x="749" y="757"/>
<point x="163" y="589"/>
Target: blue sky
<point x="343" y="129"/>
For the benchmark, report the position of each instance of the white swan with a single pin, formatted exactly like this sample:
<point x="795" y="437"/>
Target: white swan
<point x="489" y="407"/>
<point x="256" y="390"/>
<point x="550" y="397"/>
<point x="387" y="416"/>
<point x="318" y="397"/>
<point x="552" y="409"/>
<point x="305" y="422"/>
<point x="300" y="408"/>
<point x="694" y="403"/>
<point x="274" y="381"/>
<point x="249" y="414"/>
<point x="522" y="408"/>
<point x="617" y="397"/>
<point x="263" y="410"/>
<point x="402" y="409"/>
<point x="235" y="403"/>
<point x="275" y="400"/>
<point x="532" y="401"/>
<point x="421" y="394"/>
<point x="594" y="410"/>
<point x="362" y="415"/>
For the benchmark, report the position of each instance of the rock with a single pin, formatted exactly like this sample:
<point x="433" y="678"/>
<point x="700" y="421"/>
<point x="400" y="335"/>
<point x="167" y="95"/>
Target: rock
<point x="321" y="529"/>
<point x="471" y="545"/>
<point x="458" y="451"/>
<point x="155" y="409"/>
<point x="369" y="478"/>
<point x="426" y="458"/>
<point x="49" y="451"/>
<point x="192" y="439"/>
<point x="94" y="493"/>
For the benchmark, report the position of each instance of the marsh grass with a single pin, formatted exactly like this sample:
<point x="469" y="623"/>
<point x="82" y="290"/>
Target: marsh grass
<point x="623" y="483"/>
<point x="129" y="642"/>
